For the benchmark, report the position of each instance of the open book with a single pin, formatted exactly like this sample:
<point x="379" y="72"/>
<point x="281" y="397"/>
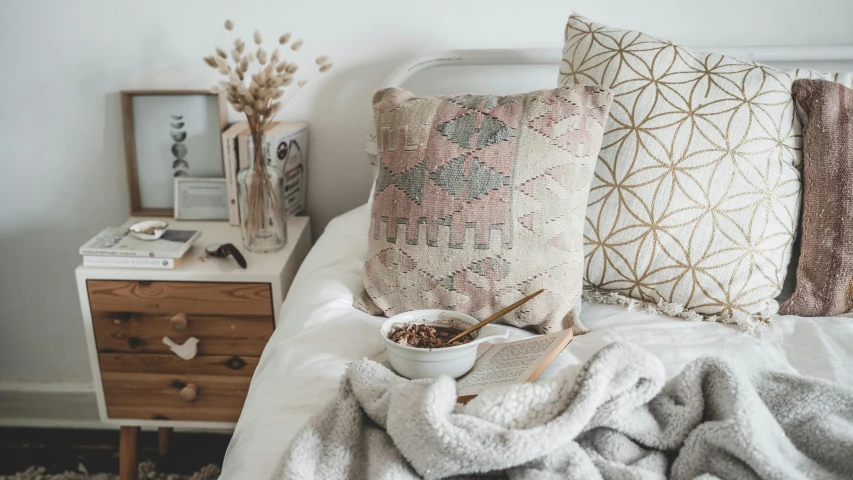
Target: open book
<point x="505" y="363"/>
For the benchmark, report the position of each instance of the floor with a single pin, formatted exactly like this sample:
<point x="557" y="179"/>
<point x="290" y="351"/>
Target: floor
<point x="64" y="449"/>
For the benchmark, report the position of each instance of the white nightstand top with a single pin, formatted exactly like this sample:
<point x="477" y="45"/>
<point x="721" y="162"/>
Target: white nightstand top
<point x="197" y="265"/>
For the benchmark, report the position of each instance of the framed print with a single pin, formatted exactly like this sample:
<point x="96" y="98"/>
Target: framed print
<point x="169" y="134"/>
<point x="201" y="199"/>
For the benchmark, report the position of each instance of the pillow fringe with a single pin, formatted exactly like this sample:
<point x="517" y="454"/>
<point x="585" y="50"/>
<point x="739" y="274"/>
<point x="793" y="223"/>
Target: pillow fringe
<point x="755" y="324"/>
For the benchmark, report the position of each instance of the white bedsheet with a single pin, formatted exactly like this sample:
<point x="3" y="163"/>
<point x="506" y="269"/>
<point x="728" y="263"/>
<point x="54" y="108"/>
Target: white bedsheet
<point x="320" y="333"/>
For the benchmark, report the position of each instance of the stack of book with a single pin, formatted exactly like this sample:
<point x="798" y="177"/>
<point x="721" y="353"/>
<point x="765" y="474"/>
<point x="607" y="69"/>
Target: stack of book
<point x="285" y="147"/>
<point x="118" y="248"/>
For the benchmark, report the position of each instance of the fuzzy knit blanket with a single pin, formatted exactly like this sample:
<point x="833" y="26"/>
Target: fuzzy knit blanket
<point x="617" y="418"/>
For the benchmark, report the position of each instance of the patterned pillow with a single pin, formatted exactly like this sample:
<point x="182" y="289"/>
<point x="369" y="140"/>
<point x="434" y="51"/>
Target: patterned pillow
<point x="695" y="198"/>
<point x="480" y="200"/>
<point x="825" y="275"/>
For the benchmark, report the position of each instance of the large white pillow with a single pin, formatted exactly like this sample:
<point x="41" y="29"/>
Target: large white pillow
<point x="696" y="194"/>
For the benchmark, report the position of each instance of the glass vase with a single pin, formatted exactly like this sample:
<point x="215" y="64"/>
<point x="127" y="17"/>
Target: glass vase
<point x="261" y="214"/>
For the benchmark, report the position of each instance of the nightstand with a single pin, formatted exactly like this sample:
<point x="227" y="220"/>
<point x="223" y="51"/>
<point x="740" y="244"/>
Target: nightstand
<point x="139" y="381"/>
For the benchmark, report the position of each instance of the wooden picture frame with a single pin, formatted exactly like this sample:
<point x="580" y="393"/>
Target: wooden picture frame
<point x="138" y="206"/>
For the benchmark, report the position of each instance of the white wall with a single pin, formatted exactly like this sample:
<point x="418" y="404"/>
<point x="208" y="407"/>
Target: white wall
<point x="64" y="62"/>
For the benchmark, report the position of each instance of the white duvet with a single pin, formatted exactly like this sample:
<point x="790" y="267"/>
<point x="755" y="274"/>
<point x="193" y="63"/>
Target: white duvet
<point x="319" y="333"/>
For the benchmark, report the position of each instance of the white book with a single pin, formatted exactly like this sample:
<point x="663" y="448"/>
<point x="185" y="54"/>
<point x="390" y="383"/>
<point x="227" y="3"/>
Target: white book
<point x="118" y="242"/>
<point x="231" y="159"/>
<point x="286" y="147"/>
<point x="129" y="262"/>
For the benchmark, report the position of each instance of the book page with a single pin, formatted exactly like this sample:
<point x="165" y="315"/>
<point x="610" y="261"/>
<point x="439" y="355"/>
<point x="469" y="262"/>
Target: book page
<point x="512" y="363"/>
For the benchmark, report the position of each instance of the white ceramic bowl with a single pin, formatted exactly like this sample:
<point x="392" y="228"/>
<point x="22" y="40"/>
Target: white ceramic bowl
<point x="148" y="229"/>
<point x="412" y="362"/>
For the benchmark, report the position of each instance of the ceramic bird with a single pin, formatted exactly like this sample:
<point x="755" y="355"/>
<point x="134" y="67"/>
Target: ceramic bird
<point x="186" y="351"/>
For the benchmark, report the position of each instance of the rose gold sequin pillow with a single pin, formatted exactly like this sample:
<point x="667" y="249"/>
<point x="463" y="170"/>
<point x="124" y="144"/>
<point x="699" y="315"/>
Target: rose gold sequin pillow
<point x="825" y="272"/>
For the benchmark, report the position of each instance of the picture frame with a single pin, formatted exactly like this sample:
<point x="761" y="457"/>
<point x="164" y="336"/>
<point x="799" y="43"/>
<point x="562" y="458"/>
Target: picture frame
<point x="169" y="134"/>
<point x="201" y="199"/>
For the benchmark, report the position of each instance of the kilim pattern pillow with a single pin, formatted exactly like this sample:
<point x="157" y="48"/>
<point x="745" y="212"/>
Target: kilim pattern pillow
<point x="480" y="201"/>
<point x="695" y="198"/>
<point x="825" y="272"/>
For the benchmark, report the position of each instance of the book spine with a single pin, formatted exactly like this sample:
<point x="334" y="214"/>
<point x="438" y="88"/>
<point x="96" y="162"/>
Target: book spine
<point x="243" y="151"/>
<point x="128" y="262"/>
<point x="116" y="253"/>
<point x="229" y="147"/>
<point x="295" y="176"/>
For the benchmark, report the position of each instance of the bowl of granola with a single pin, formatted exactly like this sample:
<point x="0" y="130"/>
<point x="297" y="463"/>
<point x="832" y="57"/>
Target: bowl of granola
<point x="418" y="347"/>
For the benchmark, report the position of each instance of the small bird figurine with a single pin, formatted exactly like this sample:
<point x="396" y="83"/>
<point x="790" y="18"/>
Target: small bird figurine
<point x="187" y="351"/>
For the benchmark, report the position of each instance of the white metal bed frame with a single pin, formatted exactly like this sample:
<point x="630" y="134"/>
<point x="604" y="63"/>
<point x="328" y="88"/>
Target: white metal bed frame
<point x="553" y="56"/>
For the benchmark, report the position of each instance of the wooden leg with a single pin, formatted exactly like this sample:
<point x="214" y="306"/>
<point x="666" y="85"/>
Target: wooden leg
<point x="127" y="453"/>
<point x="163" y="436"/>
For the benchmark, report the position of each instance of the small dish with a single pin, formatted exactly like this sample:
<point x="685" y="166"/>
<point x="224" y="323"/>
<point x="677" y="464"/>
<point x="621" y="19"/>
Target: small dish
<point x="413" y="362"/>
<point x="148" y="229"/>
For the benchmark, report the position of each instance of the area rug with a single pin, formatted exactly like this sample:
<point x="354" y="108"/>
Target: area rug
<point x="147" y="471"/>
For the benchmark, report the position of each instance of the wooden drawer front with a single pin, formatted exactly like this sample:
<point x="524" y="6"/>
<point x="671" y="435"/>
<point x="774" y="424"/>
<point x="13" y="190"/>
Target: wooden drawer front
<point x="119" y="332"/>
<point x="158" y="397"/>
<point x="180" y="297"/>
<point x="220" y="365"/>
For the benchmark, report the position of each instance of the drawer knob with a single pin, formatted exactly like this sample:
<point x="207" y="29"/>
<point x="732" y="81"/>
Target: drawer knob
<point x="189" y="393"/>
<point x="179" y="322"/>
<point x="236" y="363"/>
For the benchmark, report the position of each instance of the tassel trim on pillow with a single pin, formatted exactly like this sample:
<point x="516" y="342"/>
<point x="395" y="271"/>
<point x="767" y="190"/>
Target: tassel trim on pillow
<point x="755" y="324"/>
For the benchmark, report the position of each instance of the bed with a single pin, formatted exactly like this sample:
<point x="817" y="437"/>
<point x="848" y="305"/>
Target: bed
<point x="320" y="331"/>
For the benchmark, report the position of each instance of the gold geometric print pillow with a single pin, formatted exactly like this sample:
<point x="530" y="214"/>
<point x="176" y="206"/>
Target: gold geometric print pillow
<point x="696" y="193"/>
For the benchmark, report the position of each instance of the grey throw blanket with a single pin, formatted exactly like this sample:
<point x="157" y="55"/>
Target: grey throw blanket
<point x="617" y="418"/>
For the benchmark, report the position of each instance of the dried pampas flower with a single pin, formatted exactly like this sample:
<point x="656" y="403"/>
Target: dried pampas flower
<point x="258" y="92"/>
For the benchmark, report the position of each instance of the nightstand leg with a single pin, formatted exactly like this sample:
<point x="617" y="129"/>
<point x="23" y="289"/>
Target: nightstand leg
<point x="127" y="453"/>
<point x="163" y="436"/>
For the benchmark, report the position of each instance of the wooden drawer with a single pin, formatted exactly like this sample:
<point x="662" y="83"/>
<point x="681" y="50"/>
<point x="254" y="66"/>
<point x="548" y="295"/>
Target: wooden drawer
<point x="219" y="365"/>
<point x="158" y="397"/>
<point x="180" y="297"/>
<point x="122" y="332"/>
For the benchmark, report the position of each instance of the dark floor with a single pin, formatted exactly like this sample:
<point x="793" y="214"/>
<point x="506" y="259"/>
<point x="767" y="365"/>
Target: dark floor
<point x="63" y="449"/>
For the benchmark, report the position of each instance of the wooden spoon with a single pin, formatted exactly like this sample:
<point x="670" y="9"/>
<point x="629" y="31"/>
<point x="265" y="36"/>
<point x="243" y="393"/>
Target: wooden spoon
<point x="495" y="316"/>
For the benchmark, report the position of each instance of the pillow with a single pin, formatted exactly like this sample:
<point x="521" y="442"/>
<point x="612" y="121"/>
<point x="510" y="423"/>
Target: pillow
<point x="480" y="201"/>
<point x="825" y="273"/>
<point x="695" y="198"/>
